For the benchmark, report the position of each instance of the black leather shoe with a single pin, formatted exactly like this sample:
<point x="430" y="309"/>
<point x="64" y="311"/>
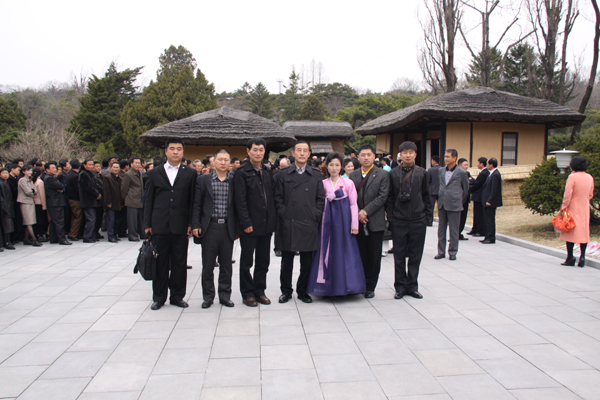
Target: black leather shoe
<point x="113" y="240"/>
<point x="471" y="233"/>
<point x="65" y="243"/>
<point x="369" y="294"/>
<point x="461" y="237"/>
<point x="478" y="235"/>
<point x="156" y="305"/>
<point x="305" y="298"/>
<point x="131" y="240"/>
<point x="74" y="239"/>
<point x="42" y="239"/>
<point x="250" y="302"/>
<point x="439" y="256"/>
<point x="399" y="295"/>
<point x="452" y="258"/>
<point x="98" y="237"/>
<point x="277" y="253"/>
<point x="207" y="303"/>
<point x="88" y="241"/>
<point x="487" y="241"/>
<point x="188" y="266"/>
<point x="581" y="262"/>
<point x="37" y="244"/>
<point x="284" y="298"/>
<point x="227" y="303"/>
<point x="415" y="294"/>
<point x="569" y="262"/>
<point x="179" y="303"/>
<point x="9" y="246"/>
<point x="263" y="300"/>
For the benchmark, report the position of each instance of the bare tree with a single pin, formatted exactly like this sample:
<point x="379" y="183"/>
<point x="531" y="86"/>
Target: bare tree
<point x="79" y="83"/>
<point x="590" y="85"/>
<point x="485" y="55"/>
<point x="405" y="85"/>
<point x="436" y="56"/>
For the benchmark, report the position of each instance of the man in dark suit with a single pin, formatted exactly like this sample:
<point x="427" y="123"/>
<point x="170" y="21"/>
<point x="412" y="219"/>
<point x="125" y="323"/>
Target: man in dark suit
<point x="475" y="190"/>
<point x="434" y="179"/>
<point x="257" y="220"/>
<point x="72" y="189"/>
<point x="89" y="197"/>
<point x="464" y="164"/>
<point x="491" y="194"/>
<point x="213" y="220"/>
<point x="372" y="186"/>
<point x="167" y="217"/>
<point x="454" y="189"/>
<point x="132" y="189"/>
<point x="55" y="202"/>
<point x="299" y="201"/>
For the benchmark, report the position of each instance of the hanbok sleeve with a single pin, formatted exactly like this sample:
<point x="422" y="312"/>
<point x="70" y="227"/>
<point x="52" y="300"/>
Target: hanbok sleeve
<point x="352" y="196"/>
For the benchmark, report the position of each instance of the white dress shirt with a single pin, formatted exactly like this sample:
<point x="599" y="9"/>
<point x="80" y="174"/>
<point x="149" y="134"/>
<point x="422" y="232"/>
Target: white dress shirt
<point x="171" y="172"/>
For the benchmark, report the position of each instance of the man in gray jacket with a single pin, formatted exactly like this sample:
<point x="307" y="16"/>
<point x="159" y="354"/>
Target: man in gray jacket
<point x="454" y="189"/>
<point x="132" y="189"/>
<point x="372" y="187"/>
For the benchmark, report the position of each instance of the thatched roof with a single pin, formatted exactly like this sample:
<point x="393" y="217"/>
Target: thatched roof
<point x="321" y="147"/>
<point x="319" y="129"/>
<point x="475" y="104"/>
<point x="223" y="126"/>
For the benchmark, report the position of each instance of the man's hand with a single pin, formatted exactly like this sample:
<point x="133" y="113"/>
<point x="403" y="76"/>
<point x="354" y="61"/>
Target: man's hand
<point x="197" y="232"/>
<point x="108" y="206"/>
<point x="98" y="198"/>
<point x="362" y="217"/>
<point x="249" y="230"/>
<point x="189" y="232"/>
<point x="148" y="230"/>
<point x="487" y="204"/>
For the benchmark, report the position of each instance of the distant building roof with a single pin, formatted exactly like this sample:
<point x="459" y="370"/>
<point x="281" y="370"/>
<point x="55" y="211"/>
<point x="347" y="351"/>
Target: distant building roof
<point x="223" y="126"/>
<point x="319" y="129"/>
<point x="475" y="104"/>
<point x="321" y="147"/>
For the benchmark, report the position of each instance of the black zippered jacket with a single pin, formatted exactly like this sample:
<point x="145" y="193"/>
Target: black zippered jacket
<point x="420" y="205"/>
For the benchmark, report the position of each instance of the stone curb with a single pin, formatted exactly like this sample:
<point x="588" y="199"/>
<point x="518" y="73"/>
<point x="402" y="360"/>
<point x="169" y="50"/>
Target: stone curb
<point x="551" y="251"/>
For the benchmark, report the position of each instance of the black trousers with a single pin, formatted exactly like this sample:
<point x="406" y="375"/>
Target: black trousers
<point x="134" y="223"/>
<point x="112" y="223"/>
<point x="216" y="243"/>
<point x="478" y="218"/>
<point x="409" y="241"/>
<point x="287" y="268"/>
<point x="41" y="216"/>
<point x="489" y="222"/>
<point x="122" y="232"/>
<point x="67" y="216"/>
<point x="370" y="247"/>
<point x="255" y="250"/>
<point x="18" y="233"/>
<point x="172" y="254"/>
<point x="57" y="224"/>
<point x="98" y="224"/>
<point x="89" y="218"/>
<point x="463" y="218"/>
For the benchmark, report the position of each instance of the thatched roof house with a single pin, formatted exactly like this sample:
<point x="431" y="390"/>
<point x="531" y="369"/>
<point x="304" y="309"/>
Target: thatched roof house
<point x="324" y="136"/>
<point x="224" y="127"/>
<point x="477" y="122"/>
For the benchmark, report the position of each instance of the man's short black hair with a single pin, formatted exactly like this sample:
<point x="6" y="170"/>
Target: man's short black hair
<point x="302" y="142"/>
<point x="174" y="140"/>
<point x="104" y="162"/>
<point x="493" y="162"/>
<point x="87" y="160"/>
<point x="132" y="159"/>
<point x="257" y="141"/>
<point x="96" y="162"/>
<point x="158" y="161"/>
<point x="234" y="159"/>
<point x="4" y="169"/>
<point x="578" y="164"/>
<point x="436" y="159"/>
<point x="49" y="163"/>
<point x="461" y="160"/>
<point x="482" y="160"/>
<point x="222" y="151"/>
<point x="18" y="160"/>
<point x="113" y="163"/>
<point x="453" y="153"/>
<point x="407" y="146"/>
<point x="62" y="163"/>
<point x="75" y="163"/>
<point x="292" y="159"/>
<point x="123" y="164"/>
<point x="11" y="166"/>
<point x="366" y="146"/>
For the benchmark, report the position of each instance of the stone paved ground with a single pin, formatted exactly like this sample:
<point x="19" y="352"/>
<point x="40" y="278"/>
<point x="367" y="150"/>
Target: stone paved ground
<point x="502" y="322"/>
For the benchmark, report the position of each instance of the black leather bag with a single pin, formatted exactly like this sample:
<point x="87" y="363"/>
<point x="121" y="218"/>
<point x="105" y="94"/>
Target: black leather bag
<point x="146" y="261"/>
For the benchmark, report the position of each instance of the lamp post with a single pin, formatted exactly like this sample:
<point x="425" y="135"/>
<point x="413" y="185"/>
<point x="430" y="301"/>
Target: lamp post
<point x="563" y="159"/>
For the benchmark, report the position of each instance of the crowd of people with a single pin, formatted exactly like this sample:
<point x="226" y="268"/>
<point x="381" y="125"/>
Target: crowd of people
<point x="333" y="212"/>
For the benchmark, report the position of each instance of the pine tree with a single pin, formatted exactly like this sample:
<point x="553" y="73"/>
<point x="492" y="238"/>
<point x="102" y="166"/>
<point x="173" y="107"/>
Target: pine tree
<point x="260" y="101"/>
<point x="176" y="94"/>
<point x="12" y="120"/>
<point x="291" y="100"/>
<point x="313" y="109"/>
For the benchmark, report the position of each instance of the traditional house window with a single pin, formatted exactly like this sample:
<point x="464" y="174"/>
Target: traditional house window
<point x="509" y="148"/>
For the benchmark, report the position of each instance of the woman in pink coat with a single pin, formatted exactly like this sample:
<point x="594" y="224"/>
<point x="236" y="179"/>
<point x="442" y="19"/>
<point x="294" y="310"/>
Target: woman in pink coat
<point x="578" y="193"/>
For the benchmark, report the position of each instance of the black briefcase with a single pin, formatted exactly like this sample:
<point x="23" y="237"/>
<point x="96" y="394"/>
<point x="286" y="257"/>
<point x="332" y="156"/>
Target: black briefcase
<point x="146" y="261"/>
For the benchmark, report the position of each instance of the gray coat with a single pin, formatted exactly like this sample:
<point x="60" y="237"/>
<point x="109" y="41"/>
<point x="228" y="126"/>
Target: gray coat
<point x="372" y="197"/>
<point x="454" y="193"/>
<point x="132" y="189"/>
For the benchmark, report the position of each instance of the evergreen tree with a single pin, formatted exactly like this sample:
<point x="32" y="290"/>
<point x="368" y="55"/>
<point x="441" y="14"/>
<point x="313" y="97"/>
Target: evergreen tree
<point x="474" y="74"/>
<point x="99" y="117"/>
<point x="12" y="120"/>
<point x="260" y="101"/>
<point x="176" y="94"/>
<point x="291" y="101"/>
<point x="313" y="109"/>
<point x="522" y="73"/>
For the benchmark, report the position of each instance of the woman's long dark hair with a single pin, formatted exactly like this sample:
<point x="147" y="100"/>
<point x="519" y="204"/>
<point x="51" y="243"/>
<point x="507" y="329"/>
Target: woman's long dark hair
<point x="35" y="174"/>
<point x="329" y="158"/>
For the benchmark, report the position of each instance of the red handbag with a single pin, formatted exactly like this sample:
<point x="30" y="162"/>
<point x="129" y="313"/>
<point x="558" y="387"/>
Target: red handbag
<point x="563" y="221"/>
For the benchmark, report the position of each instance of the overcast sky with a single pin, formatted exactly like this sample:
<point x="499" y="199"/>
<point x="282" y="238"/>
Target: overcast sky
<point x="366" y="44"/>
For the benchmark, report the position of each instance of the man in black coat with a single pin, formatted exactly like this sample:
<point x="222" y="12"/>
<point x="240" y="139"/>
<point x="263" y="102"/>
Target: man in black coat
<point x="213" y="220"/>
<point x="299" y="201"/>
<point x="491" y="196"/>
<point x="13" y="182"/>
<point x="464" y="164"/>
<point x="167" y="217"/>
<point x="410" y="211"/>
<point x="475" y="190"/>
<point x="434" y="179"/>
<point x="257" y="220"/>
<point x="89" y="197"/>
<point x="55" y="204"/>
<point x="73" y="199"/>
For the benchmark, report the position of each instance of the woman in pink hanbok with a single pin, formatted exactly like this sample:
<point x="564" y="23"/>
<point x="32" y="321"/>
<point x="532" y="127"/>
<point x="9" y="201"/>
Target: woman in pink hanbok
<point x="337" y="268"/>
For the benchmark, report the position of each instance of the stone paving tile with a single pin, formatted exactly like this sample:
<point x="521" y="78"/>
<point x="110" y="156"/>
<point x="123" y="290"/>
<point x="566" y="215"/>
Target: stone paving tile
<point x="76" y="323"/>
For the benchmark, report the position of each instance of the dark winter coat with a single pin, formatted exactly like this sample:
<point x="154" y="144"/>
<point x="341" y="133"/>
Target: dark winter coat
<point x="54" y="192"/>
<point x="420" y="206"/>
<point x="73" y="185"/>
<point x="299" y="200"/>
<point x="88" y="192"/>
<point x="112" y="192"/>
<point x="8" y="207"/>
